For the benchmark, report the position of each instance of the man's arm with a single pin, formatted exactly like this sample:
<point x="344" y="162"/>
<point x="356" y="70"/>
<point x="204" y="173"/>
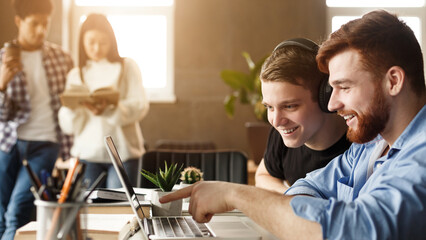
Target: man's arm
<point x="264" y="180"/>
<point x="9" y="67"/>
<point x="268" y="209"/>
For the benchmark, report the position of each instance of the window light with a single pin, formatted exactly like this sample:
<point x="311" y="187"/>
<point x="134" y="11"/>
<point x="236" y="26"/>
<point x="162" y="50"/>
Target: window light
<point x="123" y="3"/>
<point x="375" y="3"/>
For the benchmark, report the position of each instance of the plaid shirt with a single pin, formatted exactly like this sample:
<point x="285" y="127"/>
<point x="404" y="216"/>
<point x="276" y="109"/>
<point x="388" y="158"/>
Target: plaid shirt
<point x="15" y="106"/>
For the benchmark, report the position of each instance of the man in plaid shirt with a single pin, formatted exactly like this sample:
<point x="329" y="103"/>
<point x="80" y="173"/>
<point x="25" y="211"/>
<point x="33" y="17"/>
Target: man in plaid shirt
<point x="29" y="102"/>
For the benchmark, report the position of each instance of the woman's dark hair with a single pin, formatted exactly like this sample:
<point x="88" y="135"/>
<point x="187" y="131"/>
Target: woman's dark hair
<point x="24" y="8"/>
<point x="382" y="41"/>
<point x="97" y="22"/>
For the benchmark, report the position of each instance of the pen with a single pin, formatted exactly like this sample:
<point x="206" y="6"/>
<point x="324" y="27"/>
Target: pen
<point x="45" y="181"/>
<point x="33" y="178"/>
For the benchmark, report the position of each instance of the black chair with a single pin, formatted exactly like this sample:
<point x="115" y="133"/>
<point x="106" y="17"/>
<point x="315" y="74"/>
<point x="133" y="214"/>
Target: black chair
<point x="169" y="144"/>
<point x="223" y="165"/>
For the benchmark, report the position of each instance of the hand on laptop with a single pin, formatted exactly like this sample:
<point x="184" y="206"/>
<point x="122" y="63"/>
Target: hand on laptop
<point x="207" y="198"/>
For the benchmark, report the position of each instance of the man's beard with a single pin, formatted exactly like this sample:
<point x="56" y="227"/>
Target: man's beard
<point x="372" y="122"/>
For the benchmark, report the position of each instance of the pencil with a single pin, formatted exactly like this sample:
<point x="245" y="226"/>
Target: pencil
<point x="68" y="182"/>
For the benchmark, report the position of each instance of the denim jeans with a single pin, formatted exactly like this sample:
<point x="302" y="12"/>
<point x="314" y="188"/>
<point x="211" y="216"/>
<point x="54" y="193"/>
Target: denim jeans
<point x="16" y="199"/>
<point x="93" y="170"/>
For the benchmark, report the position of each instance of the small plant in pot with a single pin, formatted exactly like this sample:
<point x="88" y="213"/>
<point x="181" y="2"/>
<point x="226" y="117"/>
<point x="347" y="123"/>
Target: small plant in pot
<point x="165" y="180"/>
<point x="191" y="175"/>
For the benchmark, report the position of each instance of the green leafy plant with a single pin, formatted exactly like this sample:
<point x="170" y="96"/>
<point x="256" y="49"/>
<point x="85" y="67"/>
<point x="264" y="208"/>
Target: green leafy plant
<point x="191" y="175"/>
<point x="246" y="87"/>
<point x="166" y="179"/>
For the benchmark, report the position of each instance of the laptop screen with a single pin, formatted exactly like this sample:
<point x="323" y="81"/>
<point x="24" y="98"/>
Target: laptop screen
<point x="122" y="175"/>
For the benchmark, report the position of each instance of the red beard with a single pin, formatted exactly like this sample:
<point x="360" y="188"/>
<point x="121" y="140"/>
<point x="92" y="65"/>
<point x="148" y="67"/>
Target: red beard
<point x="371" y="123"/>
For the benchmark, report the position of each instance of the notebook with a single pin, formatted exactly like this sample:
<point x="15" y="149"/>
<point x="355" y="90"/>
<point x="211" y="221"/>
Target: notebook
<point x="177" y="227"/>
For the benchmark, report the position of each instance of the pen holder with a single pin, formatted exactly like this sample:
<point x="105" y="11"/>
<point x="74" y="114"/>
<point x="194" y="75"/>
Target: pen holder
<point x="60" y="221"/>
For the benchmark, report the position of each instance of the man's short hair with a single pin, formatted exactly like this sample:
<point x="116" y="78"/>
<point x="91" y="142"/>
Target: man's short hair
<point x="295" y="65"/>
<point x="24" y="8"/>
<point x="383" y="41"/>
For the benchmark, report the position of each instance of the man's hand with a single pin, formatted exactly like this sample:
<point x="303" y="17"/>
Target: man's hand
<point x="9" y="68"/>
<point x="207" y="198"/>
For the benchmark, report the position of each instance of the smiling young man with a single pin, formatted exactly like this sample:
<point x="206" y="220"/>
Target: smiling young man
<point x="304" y="137"/>
<point x="29" y="102"/>
<point x="377" y="188"/>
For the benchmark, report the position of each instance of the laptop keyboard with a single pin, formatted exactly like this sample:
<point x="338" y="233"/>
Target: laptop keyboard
<point x="179" y="227"/>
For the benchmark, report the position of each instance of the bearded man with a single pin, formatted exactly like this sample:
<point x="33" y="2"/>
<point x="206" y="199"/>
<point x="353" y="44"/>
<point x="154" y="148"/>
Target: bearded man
<point x="377" y="188"/>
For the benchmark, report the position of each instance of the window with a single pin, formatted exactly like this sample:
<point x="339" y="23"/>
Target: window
<point x="144" y="32"/>
<point x="413" y="12"/>
<point x="375" y="3"/>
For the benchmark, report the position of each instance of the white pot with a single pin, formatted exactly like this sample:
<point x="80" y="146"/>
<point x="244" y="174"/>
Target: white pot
<point x="183" y="185"/>
<point x="173" y="208"/>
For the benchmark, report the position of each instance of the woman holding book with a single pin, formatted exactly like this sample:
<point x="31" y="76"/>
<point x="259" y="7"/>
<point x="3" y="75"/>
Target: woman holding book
<point x="101" y="67"/>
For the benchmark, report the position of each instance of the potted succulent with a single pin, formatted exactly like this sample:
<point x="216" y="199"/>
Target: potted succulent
<point x="247" y="88"/>
<point x="165" y="181"/>
<point x="191" y="175"/>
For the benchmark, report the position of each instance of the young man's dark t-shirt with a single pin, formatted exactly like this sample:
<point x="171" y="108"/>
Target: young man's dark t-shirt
<point x="293" y="163"/>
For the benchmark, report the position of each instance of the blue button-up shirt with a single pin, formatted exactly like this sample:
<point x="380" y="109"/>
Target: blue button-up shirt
<point x="389" y="204"/>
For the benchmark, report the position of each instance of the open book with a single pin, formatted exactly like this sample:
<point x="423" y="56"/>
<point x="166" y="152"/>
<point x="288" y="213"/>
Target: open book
<point x="77" y="94"/>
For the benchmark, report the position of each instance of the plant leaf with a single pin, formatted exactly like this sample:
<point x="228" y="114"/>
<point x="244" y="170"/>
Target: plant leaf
<point x="234" y="79"/>
<point x="244" y="96"/>
<point x="169" y="173"/>
<point x="247" y="87"/>
<point x="255" y="71"/>
<point x="249" y="61"/>
<point x="163" y="184"/>
<point x="229" y="105"/>
<point x="150" y="176"/>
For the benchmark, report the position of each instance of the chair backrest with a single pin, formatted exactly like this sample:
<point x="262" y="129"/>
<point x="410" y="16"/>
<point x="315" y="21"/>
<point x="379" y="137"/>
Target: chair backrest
<point x="223" y="165"/>
<point x="168" y="144"/>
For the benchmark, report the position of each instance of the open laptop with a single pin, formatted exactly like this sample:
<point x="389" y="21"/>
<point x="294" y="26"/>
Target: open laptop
<point x="177" y="227"/>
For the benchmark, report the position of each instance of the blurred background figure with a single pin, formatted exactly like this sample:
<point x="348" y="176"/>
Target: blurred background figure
<point x="32" y="75"/>
<point x="100" y="66"/>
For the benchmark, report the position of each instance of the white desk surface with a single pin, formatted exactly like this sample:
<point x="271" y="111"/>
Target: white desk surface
<point x="107" y="226"/>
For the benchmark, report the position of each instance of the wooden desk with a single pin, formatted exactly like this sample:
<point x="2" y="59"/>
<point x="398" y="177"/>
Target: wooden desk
<point x="98" y="226"/>
<point x="107" y="225"/>
<point x="97" y="223"/>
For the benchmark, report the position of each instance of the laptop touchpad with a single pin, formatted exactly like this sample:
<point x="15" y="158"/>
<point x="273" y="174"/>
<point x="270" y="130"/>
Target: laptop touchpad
<point x="231" y="229"/>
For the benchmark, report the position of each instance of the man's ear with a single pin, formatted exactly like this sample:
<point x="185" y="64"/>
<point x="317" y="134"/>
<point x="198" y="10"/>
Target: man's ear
<point x="395" y="78"/>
